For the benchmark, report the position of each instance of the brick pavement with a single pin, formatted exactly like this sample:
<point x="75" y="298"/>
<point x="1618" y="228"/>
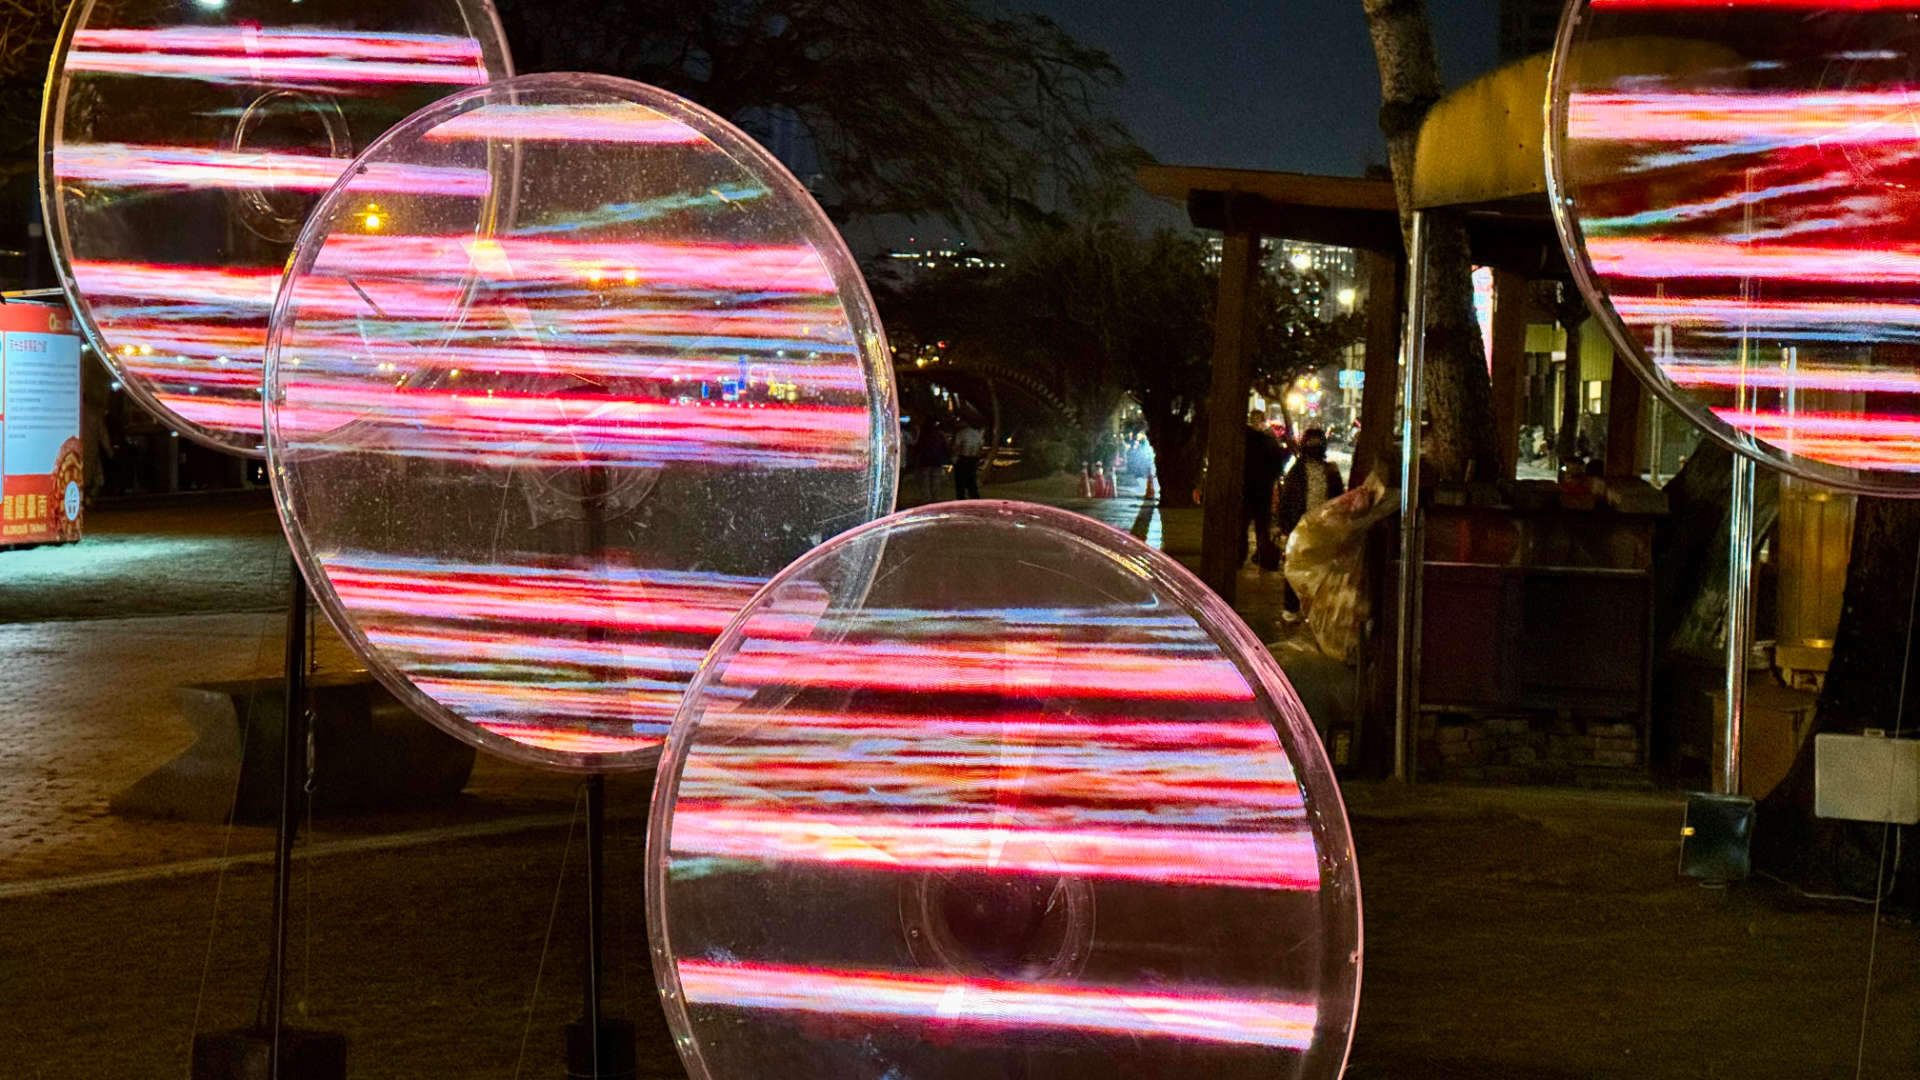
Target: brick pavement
<point x="89" y="709"/>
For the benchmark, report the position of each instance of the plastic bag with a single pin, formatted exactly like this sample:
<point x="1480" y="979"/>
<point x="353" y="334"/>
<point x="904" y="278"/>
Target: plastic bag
<point x="1326" y="566"/>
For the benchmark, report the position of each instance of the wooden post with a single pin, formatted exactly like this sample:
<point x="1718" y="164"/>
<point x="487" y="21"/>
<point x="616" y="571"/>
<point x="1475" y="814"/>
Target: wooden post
<point x="1509" y="354"/>
<point x="1386" y="304"/>
<point x="1223" y="519"/>
<point x="1623" y="421"/>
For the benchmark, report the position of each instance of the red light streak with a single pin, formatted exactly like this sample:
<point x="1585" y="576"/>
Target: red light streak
<point x="997" y="1006"/>
<point x="983" y="841"/>
<point x="1835" y="117"/>
<point x="266" y="56"/>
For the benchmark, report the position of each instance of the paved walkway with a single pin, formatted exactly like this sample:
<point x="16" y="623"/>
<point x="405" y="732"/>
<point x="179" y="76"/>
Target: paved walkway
<point x="1536" y="934"/>
<point x="94" y="638"/>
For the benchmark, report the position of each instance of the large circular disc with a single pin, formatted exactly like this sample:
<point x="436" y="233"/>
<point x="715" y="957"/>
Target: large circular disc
<point x="543" y="418"/>
<point x="990" y="789"/>
<point x="182" y="143"/>
<point x="1736" y="186"/>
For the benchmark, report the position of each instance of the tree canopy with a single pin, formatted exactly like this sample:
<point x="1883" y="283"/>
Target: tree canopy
<point x="28" y="30"/>
<point x="1102" y="312"/>
<point x="915" y="107"/>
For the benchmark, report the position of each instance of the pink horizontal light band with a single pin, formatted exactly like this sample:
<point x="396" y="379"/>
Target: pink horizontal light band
<point x="1857" y="117"/>
<point x="1671" y="259"/>
<point x="996" y="1006"/>
<point x="1038" y="730"/>
<point x="135" y="166"/>
<point x="1065" y="668"/>
<point x="267" y="41"/>
<point x="1740" y="6"/>
<point x="618" y="123"/>
<point x="286" y="71"/>
<point x="1270" y="859"/>
<point x="268" y="56"/>
<point x="1843" y="380"/>
<point x="737" y="268"/>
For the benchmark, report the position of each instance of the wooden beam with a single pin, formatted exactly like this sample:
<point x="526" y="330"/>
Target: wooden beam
<point x="1509" y="357"/>
<point x="1176" y="183"/>
<point x="1386" y="303"/>
<point x="1239" y="211"/>
<point x="1623" y="421"/>
<point x="1222" y="517"/>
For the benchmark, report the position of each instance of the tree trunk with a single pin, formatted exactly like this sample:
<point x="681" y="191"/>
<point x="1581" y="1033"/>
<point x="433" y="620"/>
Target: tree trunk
<point x="1459" y="395"/>
<point x="1872" y="665"/>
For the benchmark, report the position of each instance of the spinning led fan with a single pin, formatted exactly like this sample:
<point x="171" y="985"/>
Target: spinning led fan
<point x="1736" y="186"/>
<point x="561" y="372"/>
<point x="987" y="789"/>
<point x="182" y="143"/>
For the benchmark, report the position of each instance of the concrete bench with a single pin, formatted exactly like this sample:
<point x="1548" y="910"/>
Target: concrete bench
<point x="370" y="752"/>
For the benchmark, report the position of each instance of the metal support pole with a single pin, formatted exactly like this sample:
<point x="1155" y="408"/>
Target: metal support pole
<point x="1413" y="396"/>
<point x="293" y="745"/>
<point x="1739" y="617"/>
<point x="596" y="845"/>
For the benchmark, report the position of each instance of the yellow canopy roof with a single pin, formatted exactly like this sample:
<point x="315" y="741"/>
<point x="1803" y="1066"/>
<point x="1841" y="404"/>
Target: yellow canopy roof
<point x="1486" y="141"/>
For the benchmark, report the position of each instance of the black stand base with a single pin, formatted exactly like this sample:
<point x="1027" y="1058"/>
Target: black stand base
<point x="1716" y="838"/>
<point x="618" y="1056"/>
<point x="243" y="1055"/>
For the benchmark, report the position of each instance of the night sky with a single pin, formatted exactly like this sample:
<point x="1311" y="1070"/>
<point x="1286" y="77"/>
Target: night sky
<point x="1255" y="84"/>
<point x="1261" y="84"/>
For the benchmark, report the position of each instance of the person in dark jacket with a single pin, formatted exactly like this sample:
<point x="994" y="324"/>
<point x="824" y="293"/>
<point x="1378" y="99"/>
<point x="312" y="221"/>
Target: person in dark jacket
<point x="1312" y="481"/>
<point x="1266" y="459"/>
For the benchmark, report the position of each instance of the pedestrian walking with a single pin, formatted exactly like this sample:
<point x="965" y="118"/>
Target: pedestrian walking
<point x="928" y="458"/>
<point x="1266" y="459"/>
<point x="968" y="445"/>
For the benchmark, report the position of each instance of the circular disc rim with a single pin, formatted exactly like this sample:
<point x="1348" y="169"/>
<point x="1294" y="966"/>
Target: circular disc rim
<point x="53" y="224"/>
<point x="1210" y="614"/>
<point x="855" y="298"/>
<point x="1628" y="346"/>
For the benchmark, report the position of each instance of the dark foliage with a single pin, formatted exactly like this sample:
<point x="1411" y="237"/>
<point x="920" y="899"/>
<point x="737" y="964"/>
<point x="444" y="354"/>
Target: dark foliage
<point x="914" y="107"/>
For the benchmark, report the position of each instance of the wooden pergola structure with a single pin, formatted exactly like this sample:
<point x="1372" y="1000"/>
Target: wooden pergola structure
<point x="1480" y="157"/>
<point x="1245" y="206"/>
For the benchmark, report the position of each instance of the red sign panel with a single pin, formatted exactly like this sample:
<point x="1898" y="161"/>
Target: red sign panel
<point x="40" y="450"/>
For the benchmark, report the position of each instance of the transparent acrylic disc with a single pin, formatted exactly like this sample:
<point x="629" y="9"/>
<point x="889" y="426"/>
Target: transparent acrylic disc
<point x="987" y="789"/>
<point x="183" y="142"/>
<point x="544" y="417"/>
<point x="1738" y="189"/>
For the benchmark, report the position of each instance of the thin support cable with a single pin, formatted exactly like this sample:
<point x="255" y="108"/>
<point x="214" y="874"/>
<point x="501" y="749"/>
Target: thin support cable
<point x="1880" y="873"/>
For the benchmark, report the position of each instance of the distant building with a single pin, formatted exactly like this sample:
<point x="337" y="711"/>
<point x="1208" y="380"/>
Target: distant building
<point x="1528" y="27"/>
<point x="911" y="263"/>
<point x="1339" y="267"/>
